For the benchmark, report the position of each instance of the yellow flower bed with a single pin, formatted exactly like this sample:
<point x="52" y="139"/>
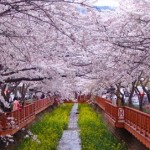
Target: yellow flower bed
<point x="48" y="130"/>
<point x="94" y="133"/>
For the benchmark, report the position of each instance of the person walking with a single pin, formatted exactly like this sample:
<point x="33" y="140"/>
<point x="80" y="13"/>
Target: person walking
<point x="16" y="104"/>
<point x="42" y="96"/>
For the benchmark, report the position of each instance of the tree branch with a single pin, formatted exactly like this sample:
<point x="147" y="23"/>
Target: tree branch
<point x="25" y="79"/>
<point x="17" y="71"/>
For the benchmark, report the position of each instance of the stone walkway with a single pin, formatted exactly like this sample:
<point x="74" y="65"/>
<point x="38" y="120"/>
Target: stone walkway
<point x="70" y="139"/>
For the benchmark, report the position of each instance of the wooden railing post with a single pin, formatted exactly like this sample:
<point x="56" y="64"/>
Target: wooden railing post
<point x="4" y="121"/>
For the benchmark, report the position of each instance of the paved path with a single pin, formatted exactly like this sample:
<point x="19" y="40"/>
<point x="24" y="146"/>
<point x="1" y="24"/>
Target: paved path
<point x="70" y="139"/>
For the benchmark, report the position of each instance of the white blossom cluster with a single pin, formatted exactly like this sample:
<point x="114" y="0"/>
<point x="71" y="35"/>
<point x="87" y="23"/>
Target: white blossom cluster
<point x="32" y="136"/>
<point x="11" y="122"/>
<point x="7" y="139"/>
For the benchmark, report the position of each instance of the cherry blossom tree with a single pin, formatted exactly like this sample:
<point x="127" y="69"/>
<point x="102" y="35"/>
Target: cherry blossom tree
<point x="58" y="42"/>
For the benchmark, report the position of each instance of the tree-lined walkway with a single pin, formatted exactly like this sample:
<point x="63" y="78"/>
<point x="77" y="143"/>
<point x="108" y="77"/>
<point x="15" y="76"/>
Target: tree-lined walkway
<point x="47" y="133"/>
<point x="70" y="139"/>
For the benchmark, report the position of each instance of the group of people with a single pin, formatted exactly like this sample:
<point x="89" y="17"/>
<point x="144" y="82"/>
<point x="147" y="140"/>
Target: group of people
<point x="5" y="106"/>
<point x="15" y="104"/>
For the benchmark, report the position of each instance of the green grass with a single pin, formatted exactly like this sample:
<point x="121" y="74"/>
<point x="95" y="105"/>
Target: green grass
<point x="48" y="130"/>
<point x="94" y="133"/>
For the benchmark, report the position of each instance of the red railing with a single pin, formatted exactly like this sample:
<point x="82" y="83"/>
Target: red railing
<point x="11" y="122"/>
<point x="135" y="121"/>
<point x="111" y="111"/>
<point x="138" y="123"/>
<point x="101" y="102"/>
<point x="114" y="114"/>
<point x="83" y="98"/>
<point x="41" y="105"/>
<point x="22" y="114"/>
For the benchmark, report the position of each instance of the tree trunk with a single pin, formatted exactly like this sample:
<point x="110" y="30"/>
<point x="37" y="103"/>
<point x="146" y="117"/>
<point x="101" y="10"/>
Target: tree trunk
<point x="132" y="92"/>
